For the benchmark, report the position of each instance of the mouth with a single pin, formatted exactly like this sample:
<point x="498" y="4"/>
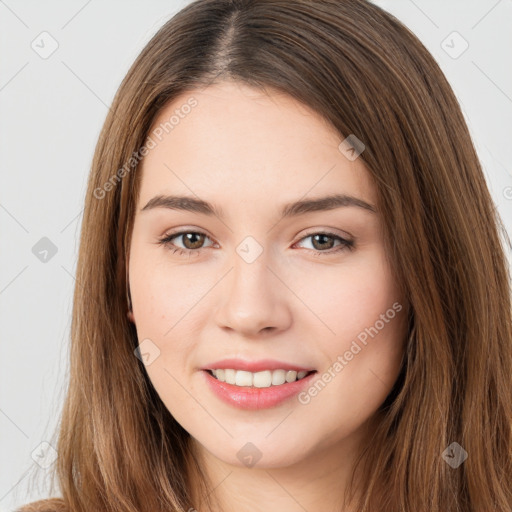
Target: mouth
<point x="262" y="390"/>
<point x="262" y="379"/>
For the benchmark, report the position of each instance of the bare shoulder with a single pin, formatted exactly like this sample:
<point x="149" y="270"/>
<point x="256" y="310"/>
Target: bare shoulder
<point x="49" y="505"/>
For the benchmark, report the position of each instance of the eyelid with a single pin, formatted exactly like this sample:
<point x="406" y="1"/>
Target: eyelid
<point x="185" y="229"/>
<point x="326" y="231"/>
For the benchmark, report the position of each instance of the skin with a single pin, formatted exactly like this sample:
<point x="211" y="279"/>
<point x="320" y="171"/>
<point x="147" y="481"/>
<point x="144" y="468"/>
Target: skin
<point x="249" y="153"/>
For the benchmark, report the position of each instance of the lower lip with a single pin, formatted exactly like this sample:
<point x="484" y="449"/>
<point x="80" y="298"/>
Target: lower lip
<point x="256" y="398"/>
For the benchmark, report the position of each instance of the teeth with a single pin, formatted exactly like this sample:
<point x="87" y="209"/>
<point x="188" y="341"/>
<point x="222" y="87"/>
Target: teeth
<point x="263" y="379"/>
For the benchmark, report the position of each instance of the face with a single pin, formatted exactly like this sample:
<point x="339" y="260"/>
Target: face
<point x="251" y="279"/>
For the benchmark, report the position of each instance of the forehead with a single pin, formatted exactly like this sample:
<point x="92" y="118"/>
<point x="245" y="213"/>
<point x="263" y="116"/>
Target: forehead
<point x="232" y="142"/>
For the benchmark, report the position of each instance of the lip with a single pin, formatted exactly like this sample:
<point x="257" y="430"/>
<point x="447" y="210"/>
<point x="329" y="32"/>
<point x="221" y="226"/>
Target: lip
<point x="254" y="366"/>
<point x="251" y="398"/>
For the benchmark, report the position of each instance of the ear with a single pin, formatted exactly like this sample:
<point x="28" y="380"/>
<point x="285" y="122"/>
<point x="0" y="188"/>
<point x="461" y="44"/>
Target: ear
<point x="130" y="316"/>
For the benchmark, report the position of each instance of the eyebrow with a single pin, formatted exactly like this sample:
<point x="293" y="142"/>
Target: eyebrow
<point x="192" y="204"/>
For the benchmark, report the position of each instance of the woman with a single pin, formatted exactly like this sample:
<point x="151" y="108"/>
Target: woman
<point x="291" y="288"/>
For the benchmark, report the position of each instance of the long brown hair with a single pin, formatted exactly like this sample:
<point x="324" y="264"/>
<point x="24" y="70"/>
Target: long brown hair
<point x="119" y="448"/>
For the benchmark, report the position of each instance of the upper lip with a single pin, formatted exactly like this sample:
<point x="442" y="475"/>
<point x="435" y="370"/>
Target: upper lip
<point x="255" y="366"/>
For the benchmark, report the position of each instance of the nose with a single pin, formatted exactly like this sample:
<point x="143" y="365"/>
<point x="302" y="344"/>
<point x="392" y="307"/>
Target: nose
<point x="253" y="299"/>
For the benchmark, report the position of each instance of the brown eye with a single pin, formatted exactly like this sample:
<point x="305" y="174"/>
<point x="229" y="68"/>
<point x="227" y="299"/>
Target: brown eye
<point x="325" y="243"/>
<point x="193" y="240"/>
<point x="322" y="241"/>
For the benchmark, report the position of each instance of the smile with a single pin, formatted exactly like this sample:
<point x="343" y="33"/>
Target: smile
<point x="263" y="379"/>
<point x="244" y="394"/>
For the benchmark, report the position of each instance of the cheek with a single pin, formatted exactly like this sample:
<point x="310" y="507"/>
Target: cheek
<point x="163" y="298"/>
<point x="363" y="332"/>
<point x="350" y="299"/>
<point x="162" y="293"/>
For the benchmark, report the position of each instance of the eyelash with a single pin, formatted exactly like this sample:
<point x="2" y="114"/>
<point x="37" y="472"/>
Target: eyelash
<point x="166" y="241"/>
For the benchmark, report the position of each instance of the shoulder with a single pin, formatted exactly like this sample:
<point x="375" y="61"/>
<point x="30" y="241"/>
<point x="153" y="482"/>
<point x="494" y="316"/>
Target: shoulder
<point x="49" y="505"/>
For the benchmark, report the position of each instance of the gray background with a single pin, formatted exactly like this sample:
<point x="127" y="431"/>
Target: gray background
<point x="52" y="108"/>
